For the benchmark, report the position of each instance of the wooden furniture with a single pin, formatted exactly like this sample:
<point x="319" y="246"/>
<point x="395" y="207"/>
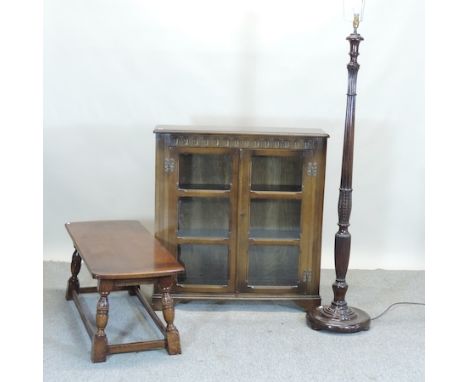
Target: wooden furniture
<point x="338" y="316"/>
<point x="121" y="255"/>
<point x="242" y="210"/>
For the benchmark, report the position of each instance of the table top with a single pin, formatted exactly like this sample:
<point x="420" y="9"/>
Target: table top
<point x="121" y="249"/>
<point x="244" y="130"/>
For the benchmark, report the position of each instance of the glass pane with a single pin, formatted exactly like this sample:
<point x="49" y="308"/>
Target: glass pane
<point x="204" y="264"/>
<point x="276" y="173"/>
<point x="200" y="171"/>
<point x="275" y="218"/>
<point x="273" y="265"/>
<point x="204" y="217"/>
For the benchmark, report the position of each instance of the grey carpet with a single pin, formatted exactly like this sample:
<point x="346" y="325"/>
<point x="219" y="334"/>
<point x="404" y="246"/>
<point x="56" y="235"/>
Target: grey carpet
<point x="243" y="341"/>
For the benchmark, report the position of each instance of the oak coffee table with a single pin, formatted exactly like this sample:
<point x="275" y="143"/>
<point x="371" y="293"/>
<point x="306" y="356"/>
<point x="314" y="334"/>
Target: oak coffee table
<point x="122" y="255"/>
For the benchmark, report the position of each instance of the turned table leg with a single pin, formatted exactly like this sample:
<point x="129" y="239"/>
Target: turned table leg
<point x="73" y="282"/>
<point x="99" y="346"/>
<point x="172" y="334"/>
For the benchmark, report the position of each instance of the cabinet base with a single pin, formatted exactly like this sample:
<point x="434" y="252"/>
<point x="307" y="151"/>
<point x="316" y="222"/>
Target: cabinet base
<point x="350" y="320"/>
<point x="306" y="303"/>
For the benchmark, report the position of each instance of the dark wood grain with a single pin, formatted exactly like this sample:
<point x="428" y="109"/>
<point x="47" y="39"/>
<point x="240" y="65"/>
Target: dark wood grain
<point x="285" y="195"/>
<point x="172" y="334"/>
<point x="247" y="131"/>
<point x="73" y="282"/>
<point x="121" y="250"/>
<point x="136" y="346"/>
<point x="267" y="197"/>
<point x="338" y="316"/>
<point x="122" y="255"/>
<point x="310" y="225"/>
<point x="197" y="193"/>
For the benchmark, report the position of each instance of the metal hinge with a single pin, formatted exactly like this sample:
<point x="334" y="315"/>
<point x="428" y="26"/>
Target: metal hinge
<point x="307" y="276"/>
<point x="169" y="165"/>
<point x="312" y="169"/>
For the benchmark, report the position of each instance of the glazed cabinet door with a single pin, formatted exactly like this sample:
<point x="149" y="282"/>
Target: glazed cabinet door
<point x="276" y="221"/>
<point x="203" y="201"/>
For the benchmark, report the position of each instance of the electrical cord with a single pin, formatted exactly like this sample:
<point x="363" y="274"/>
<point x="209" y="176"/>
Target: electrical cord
<point x="397" y="303"/>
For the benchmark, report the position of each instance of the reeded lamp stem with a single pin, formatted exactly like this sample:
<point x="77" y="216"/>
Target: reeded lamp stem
<point x="338" y="316"/>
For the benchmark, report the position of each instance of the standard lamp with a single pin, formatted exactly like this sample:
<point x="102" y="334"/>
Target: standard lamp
<point x="338" y="316"/>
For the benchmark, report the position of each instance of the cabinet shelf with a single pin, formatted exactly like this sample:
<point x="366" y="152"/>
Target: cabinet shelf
<point x="258" y="233"/>
<point x="202" y="240"/>
<point x="221" y="234"/>
<point x="277" y="287"/>
<point x="203" y="193"/>
<point x="201" y="286"/>
<point x="273" y="241"/>
<point x="281" y="294"/>
<point x="276" y="188"/>
<point x="205" y="186"/>
<point x="286" y="195"/>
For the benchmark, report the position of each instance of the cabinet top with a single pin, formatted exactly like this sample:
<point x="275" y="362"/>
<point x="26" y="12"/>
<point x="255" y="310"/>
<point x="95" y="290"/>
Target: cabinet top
<point x="244" y="130"/>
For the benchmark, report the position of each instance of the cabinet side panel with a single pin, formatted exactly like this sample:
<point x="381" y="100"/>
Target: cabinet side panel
<point x="320" y="159"/>
<point x="159" y="196"/>
<point x="307" y="226"/>
<point x="161" y="188"/>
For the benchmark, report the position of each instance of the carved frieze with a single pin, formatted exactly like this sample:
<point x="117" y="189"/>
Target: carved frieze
<point x="245" y="142"/>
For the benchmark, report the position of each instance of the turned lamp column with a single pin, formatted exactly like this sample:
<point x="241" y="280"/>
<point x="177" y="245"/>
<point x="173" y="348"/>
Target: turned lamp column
<point x="338" y="316"/>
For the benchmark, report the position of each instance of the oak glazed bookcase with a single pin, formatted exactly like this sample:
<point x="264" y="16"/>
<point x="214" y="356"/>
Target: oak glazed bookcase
<point x="242" y="210"/>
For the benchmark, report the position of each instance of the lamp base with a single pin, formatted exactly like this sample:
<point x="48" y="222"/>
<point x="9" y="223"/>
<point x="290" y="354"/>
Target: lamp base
<point x="339" y="320"/>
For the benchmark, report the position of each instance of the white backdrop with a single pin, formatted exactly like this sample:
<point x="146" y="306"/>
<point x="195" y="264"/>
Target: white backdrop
<point x="113" y="69"/>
